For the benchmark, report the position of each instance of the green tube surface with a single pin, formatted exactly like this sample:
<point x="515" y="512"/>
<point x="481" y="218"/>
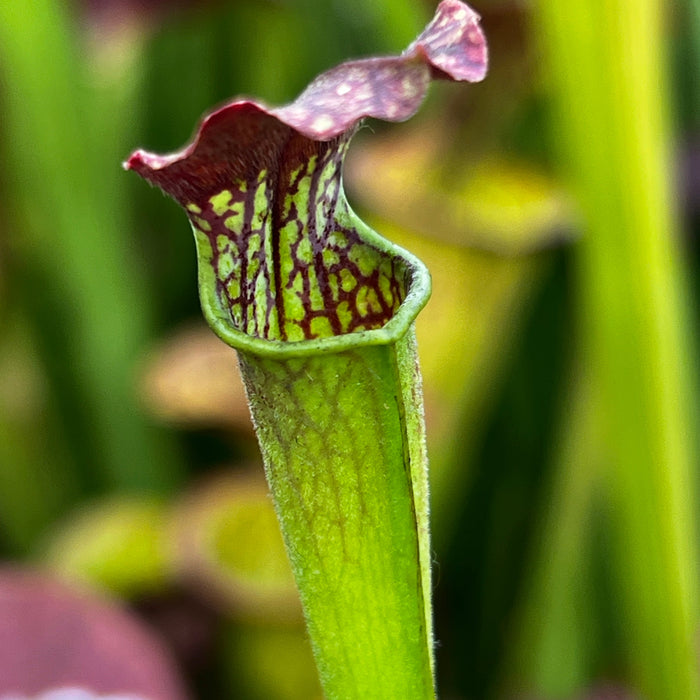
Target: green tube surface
<point x="341" y="453"/>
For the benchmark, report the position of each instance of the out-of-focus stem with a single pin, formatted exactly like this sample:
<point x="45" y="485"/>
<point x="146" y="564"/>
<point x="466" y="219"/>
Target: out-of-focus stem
<point x="607" y="65"/>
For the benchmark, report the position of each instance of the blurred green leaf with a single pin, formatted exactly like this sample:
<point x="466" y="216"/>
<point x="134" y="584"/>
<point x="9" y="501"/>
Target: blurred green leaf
<point x="608" y="73"/>
<point x="75" y="236"/>
<point x="118" y="544"/>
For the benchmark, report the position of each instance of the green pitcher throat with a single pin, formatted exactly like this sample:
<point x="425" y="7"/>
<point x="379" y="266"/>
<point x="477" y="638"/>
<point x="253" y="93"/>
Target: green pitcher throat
<point x="321" y="311"/>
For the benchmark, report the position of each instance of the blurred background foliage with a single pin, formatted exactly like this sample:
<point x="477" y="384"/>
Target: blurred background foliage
<point x="557" y="205"/>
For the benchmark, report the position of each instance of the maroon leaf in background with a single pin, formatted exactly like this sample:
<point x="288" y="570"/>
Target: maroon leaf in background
<point x="54" y="636"/>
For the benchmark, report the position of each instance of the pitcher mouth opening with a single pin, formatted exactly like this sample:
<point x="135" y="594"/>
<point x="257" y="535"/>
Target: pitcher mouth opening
<point x="288" y="259"/>
<point x="342" y="313"/>
<point x="302" y="287"/>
